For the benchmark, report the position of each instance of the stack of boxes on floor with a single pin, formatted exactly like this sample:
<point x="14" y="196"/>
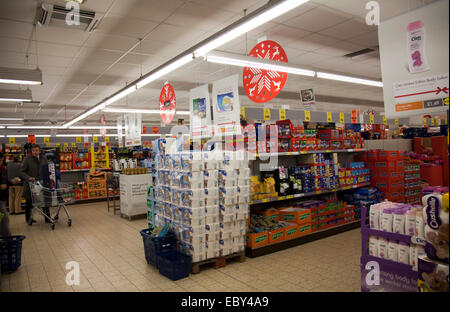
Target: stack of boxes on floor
<point x="209" y="219"/>
<point x="412" y="181"/>
<point x="388" y="173"/>
<point x="434" y="265"/>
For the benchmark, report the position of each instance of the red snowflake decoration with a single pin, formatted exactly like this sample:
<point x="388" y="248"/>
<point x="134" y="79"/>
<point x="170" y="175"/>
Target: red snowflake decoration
<point x="167" y="103"/>
<point x="263" y="85"/>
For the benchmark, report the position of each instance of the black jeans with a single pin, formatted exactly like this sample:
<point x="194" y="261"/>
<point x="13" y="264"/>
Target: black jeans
<point x="29" y="206"/>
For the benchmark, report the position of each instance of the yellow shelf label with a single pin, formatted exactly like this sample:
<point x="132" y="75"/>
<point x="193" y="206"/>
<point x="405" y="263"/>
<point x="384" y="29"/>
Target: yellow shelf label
<point x="396" y="121"/>
<point x="282" y="113"/>
<point x="46" y="139"/>
<point x="432" y="121"/>
<point x="446" y="101"/>
<point x="95" y="139"/>
<point x="266" y="113"/>
<point x="424" y="122"/>
<point x="243" y="111"/>
<point x="372" y="119"/>
<point x="66" y="144"/>
<point x="341" y="117"/>
<point x="319" y="192"/>
<point x="265" y="200"/>
<point x="289" y="197"/>
<point x="78" y="139"/>
<point x="329" y="117"/>
<point x="12" y="140"/>
<point x="74" y="144"/>
<point x="282" y="198"/>
<point x="438" y="122"/>
<point x="307" y="116"/>
<point x="384" y="120"/>
<point x="106" y="138"/>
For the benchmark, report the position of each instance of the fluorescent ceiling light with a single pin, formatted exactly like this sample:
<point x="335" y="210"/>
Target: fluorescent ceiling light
<point x="2" y="127"/>
<point x="8" y="125"/>
<point x="20" y="76"/>
<point x="11" y="118"/>
<point x="15" y="95"/>
<point x="93" y="127"/>
<point x="266" y="14"/>
<point x="17" y="136"/>
<point x="165" y="70"/>
<point x="248" y="61"/>
<point x="35" y="127"/>
<point x="252" y="23"/>
<point x="136" y="110"/>
<point x="350" y="79"/>
<point x="73" y="135"/>
<point x="150" y="135"/>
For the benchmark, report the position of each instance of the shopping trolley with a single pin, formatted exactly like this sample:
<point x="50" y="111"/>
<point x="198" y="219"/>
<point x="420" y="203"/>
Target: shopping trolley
<point x="43" y="197"/>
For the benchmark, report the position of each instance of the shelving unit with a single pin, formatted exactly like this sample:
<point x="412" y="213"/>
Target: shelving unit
<point x="97" y="185"/>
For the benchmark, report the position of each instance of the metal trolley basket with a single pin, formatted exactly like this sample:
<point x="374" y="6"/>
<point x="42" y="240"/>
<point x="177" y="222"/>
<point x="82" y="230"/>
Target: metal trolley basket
<point x="43" y="197"/>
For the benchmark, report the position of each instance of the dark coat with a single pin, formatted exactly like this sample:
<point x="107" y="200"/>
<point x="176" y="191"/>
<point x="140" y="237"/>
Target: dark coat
<point x="32" y="167"/>
<point x="3" y="180"/>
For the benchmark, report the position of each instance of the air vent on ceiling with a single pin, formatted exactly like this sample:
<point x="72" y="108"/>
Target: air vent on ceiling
<point x="363" y="52"/>
<point x="55" y="15"/>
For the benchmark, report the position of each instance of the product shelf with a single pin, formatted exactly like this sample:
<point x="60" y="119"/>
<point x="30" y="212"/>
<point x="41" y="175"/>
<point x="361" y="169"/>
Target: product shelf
<point x="312" y="152"/>
<point x="287" y="197"/>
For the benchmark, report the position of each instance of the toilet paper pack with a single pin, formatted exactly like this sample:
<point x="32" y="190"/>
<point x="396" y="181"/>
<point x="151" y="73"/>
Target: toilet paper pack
<point x="436" y="230"/>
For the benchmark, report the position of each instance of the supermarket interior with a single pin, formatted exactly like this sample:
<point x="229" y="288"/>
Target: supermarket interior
<point x="159" y="146"/>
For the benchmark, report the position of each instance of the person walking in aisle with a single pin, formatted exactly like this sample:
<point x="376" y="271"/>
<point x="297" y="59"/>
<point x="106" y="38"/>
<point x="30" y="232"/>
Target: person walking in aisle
<point x="15" y="186"/>
<point x="4" y="218"/>
<point x="32" y="169"/>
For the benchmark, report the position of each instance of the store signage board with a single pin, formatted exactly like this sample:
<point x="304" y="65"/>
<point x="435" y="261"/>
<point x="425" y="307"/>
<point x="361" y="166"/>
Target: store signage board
<point x="46" y="139"/>
<point x="200" y="112"/>
<point x="226" y="105"/>
<point x="155" y="130"/>
<point x="32" y="139"/>
<point x="133" y="128"/>
<point x="167" y="103"/>
<point x="263" y="85"/>
<point x="415" y="75"/>
<point x="307" y="97"/>
<point x="12" y="140"/>
<point x="341" y="117"/>
<point x="78" y="139"/>
<point x="329" y="117"/>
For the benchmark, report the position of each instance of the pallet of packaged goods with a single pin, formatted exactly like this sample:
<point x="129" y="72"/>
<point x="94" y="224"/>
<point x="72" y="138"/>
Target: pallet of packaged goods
<point x="218" y="262"/>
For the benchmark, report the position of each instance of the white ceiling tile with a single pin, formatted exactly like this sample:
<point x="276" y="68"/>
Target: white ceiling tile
<point x="13" y="45"/>
<point x="349" y="29"/>
<point x="235" y="6"/>
<point x="192" y="15"/>
<point x="368" y="39"/>
<point x="285" y="34"/>
<point x="339" y="49"/>
<point x="313" y="42"/>
<point x="15" y="29"/>
<point x="124" y="26"/>
<point x="295" y="12"/>
<point x="153" y="10"/>
<point x="18" y="10"/>
<point x="318" y="19"/>
<point x="61" y="35"/>
<point x="174" y="34"/>
<point x="119" y="43"/>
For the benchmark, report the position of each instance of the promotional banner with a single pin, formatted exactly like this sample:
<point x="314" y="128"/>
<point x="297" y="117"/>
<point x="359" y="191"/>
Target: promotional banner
<point x="414" y="61"/>
<point x="167" y="103"/>
<point x="226" y="105"/>
<point x="32" y="138"/>
<point x="133" y="128"/>
<point x="200" y="112"/>
<point x="120" y="131"/>
<point x="307" y="97"/>
<point x="263" y="85"/>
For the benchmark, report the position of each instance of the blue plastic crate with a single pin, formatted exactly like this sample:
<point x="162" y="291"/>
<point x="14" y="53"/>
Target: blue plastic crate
<point x="174" y="264"/>
<point x="156" y="245"/>
<point x="10" y="253"/>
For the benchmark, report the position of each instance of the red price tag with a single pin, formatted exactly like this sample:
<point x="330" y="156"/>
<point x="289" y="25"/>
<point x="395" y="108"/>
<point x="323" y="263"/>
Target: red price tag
<point x="144" y="130"/>
<point x="354" y="116"/>
<point x="155" y="130"/>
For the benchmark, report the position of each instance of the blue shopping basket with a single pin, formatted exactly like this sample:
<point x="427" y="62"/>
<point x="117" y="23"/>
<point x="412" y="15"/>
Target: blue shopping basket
<point x="154" y="246"/>
<point x="10" y="253"/>
<point x="174" y="264"/>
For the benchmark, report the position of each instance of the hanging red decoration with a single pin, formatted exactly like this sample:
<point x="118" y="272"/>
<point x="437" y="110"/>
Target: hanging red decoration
<point x="263" y="85"/>
<point x="167" y="103"/>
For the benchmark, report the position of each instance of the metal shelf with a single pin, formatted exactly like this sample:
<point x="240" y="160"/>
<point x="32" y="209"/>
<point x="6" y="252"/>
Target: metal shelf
<point x="279" y="198"/>
<point x="312" y="152"/>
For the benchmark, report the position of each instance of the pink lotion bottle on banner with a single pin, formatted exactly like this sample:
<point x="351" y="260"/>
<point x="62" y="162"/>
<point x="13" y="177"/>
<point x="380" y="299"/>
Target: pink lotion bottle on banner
<point x="417" y="59"/>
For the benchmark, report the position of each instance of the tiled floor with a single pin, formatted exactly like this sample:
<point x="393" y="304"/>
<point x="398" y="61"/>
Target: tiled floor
<point x="110" y="253"/>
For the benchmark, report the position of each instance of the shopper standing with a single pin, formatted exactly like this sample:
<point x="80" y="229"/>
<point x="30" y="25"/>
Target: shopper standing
<point x="4" y="218"/>
<point x="32" y="169"/>
<point x="15" y="186"/>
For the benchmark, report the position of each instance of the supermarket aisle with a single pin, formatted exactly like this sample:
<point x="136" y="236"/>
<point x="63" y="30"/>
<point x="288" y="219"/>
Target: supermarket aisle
<point x="110" y="252"/>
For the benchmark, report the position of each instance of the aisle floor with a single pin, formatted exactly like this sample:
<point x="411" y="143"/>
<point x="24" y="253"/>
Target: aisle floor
<point x="110" y="253"/>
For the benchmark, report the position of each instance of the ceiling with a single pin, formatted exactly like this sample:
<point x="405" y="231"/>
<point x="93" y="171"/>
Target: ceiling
<point x="82" y="68"/>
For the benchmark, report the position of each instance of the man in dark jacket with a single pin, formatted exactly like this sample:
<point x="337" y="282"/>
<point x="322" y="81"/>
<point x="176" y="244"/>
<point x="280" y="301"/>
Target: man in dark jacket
<point x="4" y="218"/>
<point x="30" y="171"/>
<point x="15" y="186"/>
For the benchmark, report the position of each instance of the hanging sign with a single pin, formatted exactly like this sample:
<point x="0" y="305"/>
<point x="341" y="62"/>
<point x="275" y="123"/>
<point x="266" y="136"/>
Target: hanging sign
<point x="307" y="97"/>
<point x="329" y="117"/>
<point x="263" y="85"/>
<point x="95" y="139"/>
<point x="74" y="144"/>
<point x="266" y="113"/>
<point x="12" y="140"/>
<point x="32" y="139"/>
<point x="167" y="103"/>
<point x="103" y="123"/>
<point x="282" y="114"/>
<point x="200" y="112"/>
<point x="307" y="115"/>
<point x="66" y="144"/>
<point x="133" y="128"/>
<point x="243" y="112"/>
<point x="354" y="117"/>
<point x="384" y="120"/>
<point x="78" y="139"/>
<point x="120" y="131"/>
<point x="372" y="119"/>
<point x="155" y="130"/>
<point x="226" y="105"/>
<point x="341" y="117"/>
<point x="144" y="130"/>
<point x="46" y="139"/>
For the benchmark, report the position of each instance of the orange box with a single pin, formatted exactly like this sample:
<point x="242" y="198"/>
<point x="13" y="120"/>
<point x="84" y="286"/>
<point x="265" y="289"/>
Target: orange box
<point x="304" y="229"/>
<point x="291" y="231"/>
<point x="387" y="155"/>
<point x="384" y="166"/>
<point x="276" y="236"/>
<point x="295" y="215"/>
<point x="372" y="156"/>
<point x="272" y="215"/>
<point x="257" y="239"/>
